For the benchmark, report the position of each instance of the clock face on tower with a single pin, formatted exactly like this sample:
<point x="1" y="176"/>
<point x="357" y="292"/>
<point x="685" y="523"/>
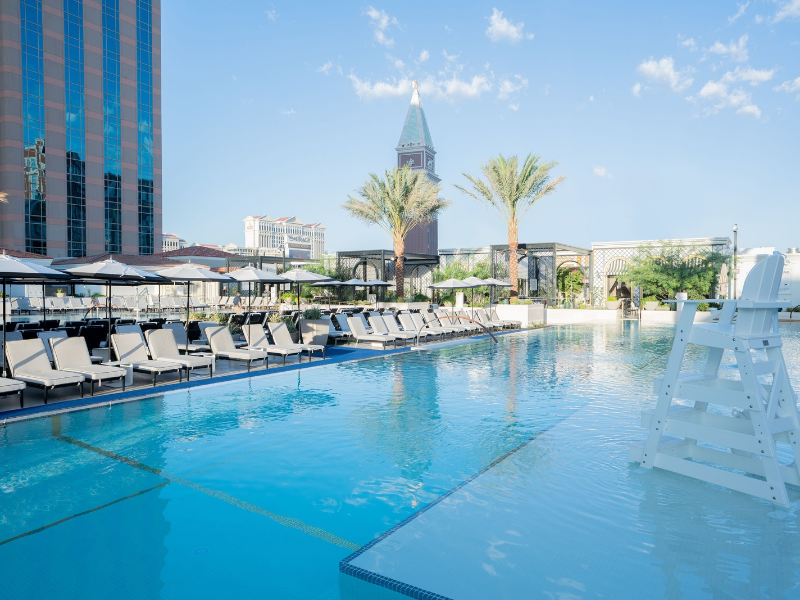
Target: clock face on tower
<point x="411" y="159"/>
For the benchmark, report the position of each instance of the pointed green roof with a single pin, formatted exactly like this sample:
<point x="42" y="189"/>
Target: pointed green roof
<point x="415" y="131"/>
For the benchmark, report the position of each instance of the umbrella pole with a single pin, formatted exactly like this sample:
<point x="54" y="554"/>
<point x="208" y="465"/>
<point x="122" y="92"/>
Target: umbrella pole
<point x="188" y="289"/>
<point x="44" y="305"/>
<point x="5" y="326"/>
<point x="108" y="316"/>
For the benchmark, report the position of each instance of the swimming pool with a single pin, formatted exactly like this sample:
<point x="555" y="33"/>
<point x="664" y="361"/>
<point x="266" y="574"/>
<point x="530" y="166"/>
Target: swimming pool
<point x="259" y="488"/>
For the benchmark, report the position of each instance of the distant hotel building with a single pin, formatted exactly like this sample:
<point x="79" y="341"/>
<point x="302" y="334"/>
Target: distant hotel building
<point x="80" y="123"/>
<point x="170" y="241"/>
<point x="415" y="149"/>
<point x="268" y="236"/>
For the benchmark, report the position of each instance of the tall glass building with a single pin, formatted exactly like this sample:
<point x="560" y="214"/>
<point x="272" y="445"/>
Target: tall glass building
<point x="80" y="126"/>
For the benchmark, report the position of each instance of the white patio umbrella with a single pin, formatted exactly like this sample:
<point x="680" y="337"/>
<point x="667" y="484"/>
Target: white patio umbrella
<point x="15" y="268"/>
<point x="354" y="283"/>
<point x="188" y="273"/>
<point x="251" y="275"/>
<point x="107" y="271"/>
<point x="492" y="282"/>
<point x="477" y="282"/>
<point x="299" y="276"/>
<point x="378" y="283"/>
<point x="329" y="283"/>
<point x="452" y="284"/>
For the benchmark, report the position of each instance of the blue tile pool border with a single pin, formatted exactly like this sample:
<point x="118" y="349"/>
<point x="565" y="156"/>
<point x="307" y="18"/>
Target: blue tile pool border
<point x="334" y="355"/>
<point x="411" y="591"/>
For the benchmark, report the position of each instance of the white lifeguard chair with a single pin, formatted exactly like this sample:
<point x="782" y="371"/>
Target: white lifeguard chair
<point x="734" y="447"/>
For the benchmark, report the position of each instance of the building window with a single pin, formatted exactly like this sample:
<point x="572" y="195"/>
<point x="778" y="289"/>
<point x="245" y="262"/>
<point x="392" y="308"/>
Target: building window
<point x="144" y="88"/>
<point x="75" y="127"/>
<point x="33" y="151"/>
<point x="112" y="177"/>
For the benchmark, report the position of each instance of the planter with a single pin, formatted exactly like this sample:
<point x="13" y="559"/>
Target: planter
<point x="60" y="294"/>
<point x="314" y="331"/>
<point x="651" y="305"/>
<point x="612" y="305"/>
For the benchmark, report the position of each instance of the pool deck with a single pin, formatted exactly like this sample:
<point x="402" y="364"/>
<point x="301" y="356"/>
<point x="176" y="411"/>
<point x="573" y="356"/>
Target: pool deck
<point x="65" y="399"/>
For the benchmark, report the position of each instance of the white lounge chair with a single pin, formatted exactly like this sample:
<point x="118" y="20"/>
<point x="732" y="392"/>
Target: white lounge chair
<point x="221" y="342"/>
<point x="29" y="363"/>
<point x="179" y="332"/>
<point x="423" y="324"/>
<point x="163" y="347"/>
<point x="130" y="348"/>
<point x="333" y="333"/>
<point x="379" y="326"/>
<point x="282" y="337"/>
<point x="46" y="336"/>
<point x="72" y="355"/>
<point x="257" y="340"/>
<point x="12" y="386"/>
<point x="511" y="324"/>
<point x="361" y="335"/>
<point x="391" y="324"/>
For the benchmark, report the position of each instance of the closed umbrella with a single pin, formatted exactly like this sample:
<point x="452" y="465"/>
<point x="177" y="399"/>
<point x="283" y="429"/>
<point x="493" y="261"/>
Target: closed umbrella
<point x="299" y="276"/>
<point x="15" y="268"/>
<point x="188" y="273"/>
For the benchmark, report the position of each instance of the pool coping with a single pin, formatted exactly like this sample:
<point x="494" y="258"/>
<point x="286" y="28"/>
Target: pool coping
<point x="106" y="400"/>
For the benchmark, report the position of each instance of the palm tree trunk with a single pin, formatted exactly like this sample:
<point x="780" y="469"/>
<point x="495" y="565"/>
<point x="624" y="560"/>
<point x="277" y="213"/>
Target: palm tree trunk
<point x="513" y="263"/>
<point x="399" y="251"/>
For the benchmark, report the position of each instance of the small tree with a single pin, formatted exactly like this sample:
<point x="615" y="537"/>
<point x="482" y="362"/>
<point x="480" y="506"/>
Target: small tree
<point x="512" y="191"/>
<point x="396" y="204"/>
<point x="664" y="271"/>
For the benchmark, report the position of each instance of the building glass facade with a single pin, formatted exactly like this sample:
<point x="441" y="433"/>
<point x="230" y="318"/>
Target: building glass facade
<point x="144" y="91"/>
<point x="112" y="141"/>
<point x="75" y="125"/>
<point x="33" y="117"/>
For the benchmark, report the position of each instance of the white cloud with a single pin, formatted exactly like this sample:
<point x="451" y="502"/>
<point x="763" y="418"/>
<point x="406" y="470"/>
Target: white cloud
<point x="759" y="19"/>
<point x="424" y="55"/>
<point x="450" y="89"/>
<point x="689" y="43"/>
<point x="514" y="107"/>
<point x="736" y="50"/>
<point x="396" y="62"/>
<point x="716" y="92"/>
<point x="511" y="86"/>
<point x="748" y="74"/>
<point x="591" y="98"/>
<point x="546" y="89"/>
<point x="325" y="68"/>
<point x="503" y="30"/>
<point x="447" y="29"/>
<point x="272" y="14"/>
<point x="602" y="172"/>
<point x="787" y="10"/>
<point x="287" y="112"/>
<point x="663" y="71"/>
<point x="449" y="57"/>
<point x="380" y="21"/>
<point x="366" y="90"/>
<point x="235" y="78"/>
<point x="790" y="87"/>
<point x="739" y="13"/>
<point x="637" y="90"/>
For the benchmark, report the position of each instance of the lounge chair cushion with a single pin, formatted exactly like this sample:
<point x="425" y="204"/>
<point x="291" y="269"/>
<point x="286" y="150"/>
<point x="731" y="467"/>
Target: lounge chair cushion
<point x="10" y="385"/>
<point x="49" y="378"/>
<point x="163" y="347"/>
<point x="222" y="345"/>
<point x="28" y="361"/>
<point x="72" y="355"/>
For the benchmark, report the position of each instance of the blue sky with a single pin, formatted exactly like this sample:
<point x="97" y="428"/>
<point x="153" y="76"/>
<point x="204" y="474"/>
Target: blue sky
<point x="668" y="120"/>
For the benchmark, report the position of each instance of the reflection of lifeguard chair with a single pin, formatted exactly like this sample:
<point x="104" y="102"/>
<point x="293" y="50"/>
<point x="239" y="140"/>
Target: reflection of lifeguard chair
<point x="734" y="447"/>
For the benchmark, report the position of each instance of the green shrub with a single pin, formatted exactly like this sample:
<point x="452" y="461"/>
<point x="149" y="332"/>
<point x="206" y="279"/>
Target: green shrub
<point x="418" y="297"/>
<point x="649" y="299"/>
<point x="611" y="299"/>
<point x="312" y="314"/>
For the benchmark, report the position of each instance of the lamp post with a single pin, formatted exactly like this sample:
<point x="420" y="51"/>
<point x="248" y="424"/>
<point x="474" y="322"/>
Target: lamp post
<point x="735" y="252"/>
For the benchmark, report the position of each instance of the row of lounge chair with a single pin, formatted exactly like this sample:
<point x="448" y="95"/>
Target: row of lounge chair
<point x="70" y="304"/>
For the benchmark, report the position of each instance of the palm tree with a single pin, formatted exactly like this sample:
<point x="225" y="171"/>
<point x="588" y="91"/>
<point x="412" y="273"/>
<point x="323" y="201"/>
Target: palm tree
<point x="512" y="193"/>
<point x="396" y="204"/>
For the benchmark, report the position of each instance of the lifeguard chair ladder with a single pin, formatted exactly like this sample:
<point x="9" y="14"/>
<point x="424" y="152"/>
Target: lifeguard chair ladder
<point x="735" y="449"/>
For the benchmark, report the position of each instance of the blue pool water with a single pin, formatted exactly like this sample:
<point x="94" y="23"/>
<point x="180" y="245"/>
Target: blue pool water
<point x="259" y="488"/>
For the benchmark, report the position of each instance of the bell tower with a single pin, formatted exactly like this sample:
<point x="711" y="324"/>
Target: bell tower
<point x="415" y="149"/>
